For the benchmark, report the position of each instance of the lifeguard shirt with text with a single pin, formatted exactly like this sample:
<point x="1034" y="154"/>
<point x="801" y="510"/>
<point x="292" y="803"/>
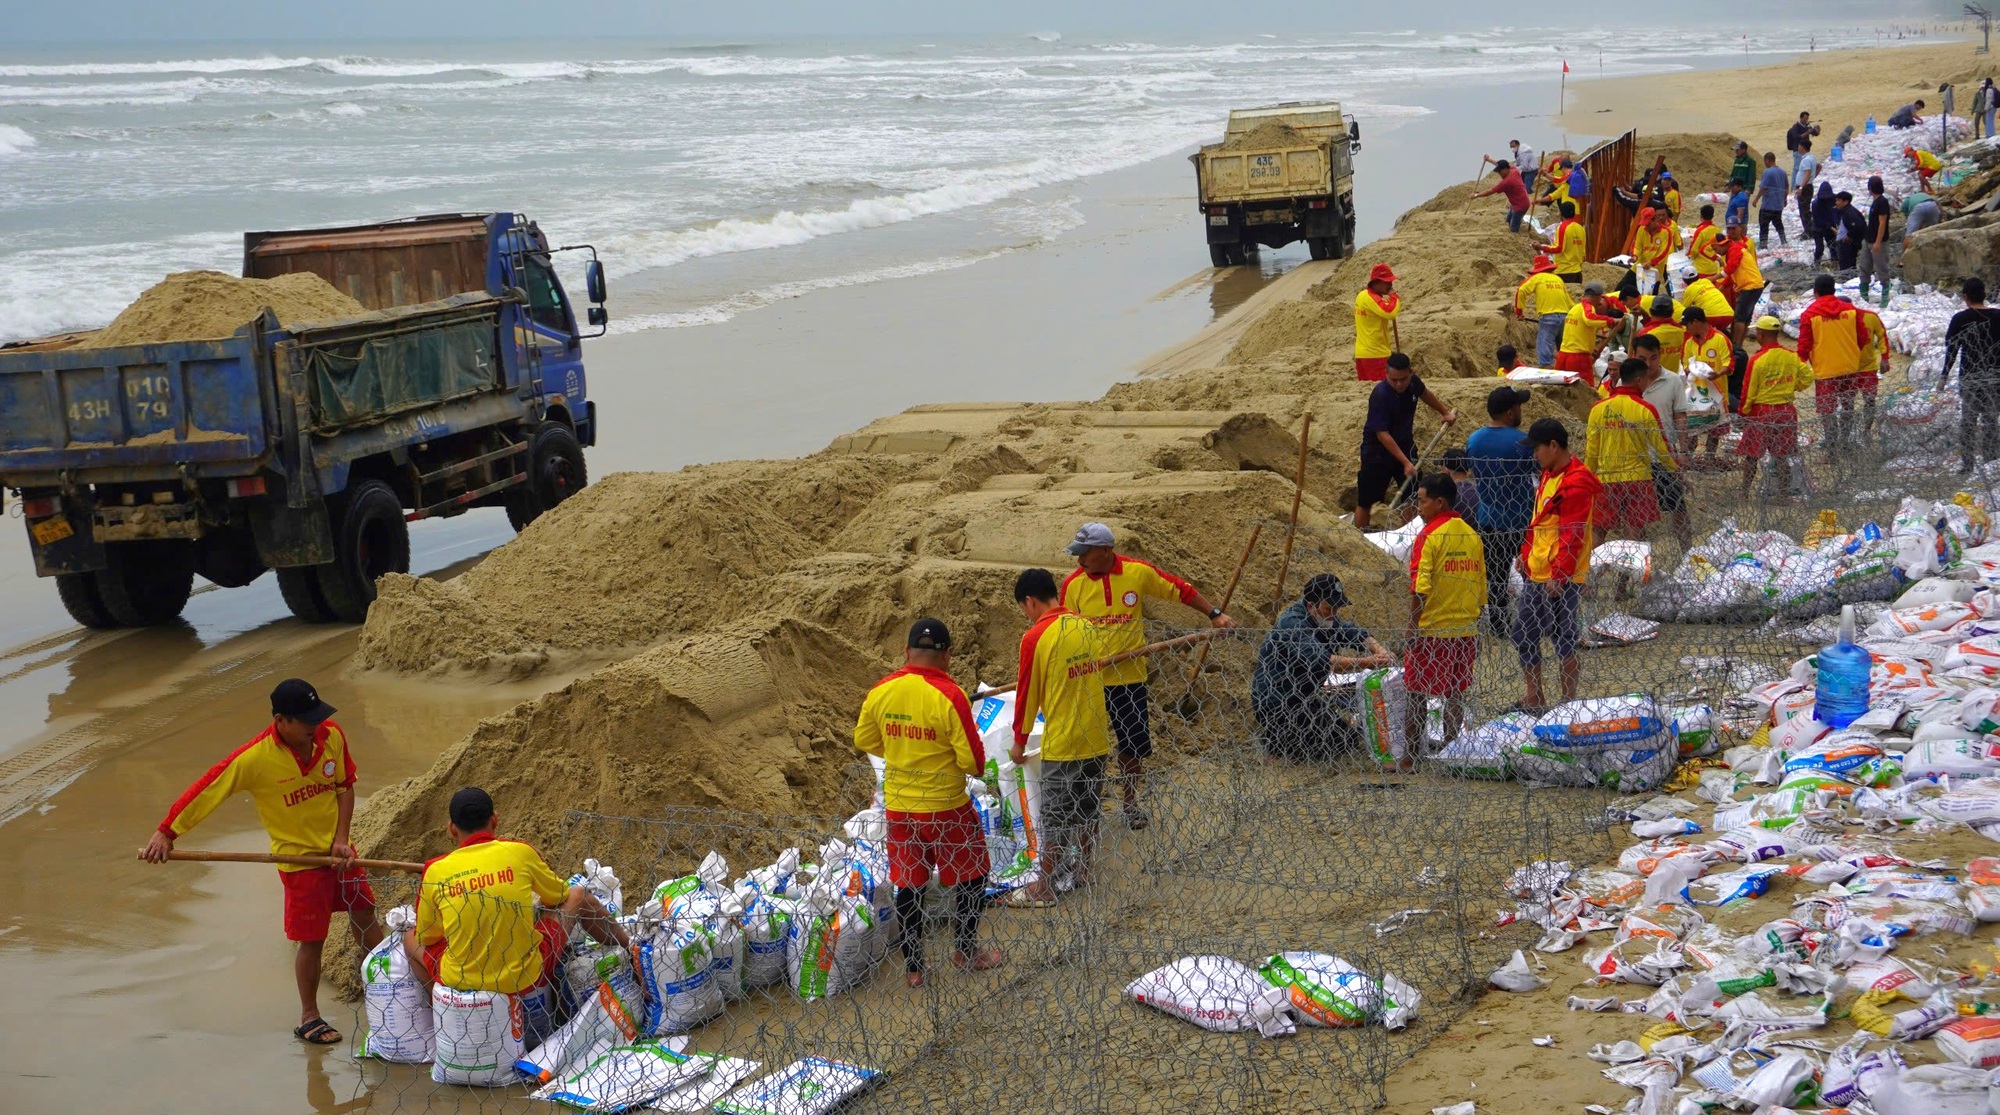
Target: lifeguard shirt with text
<point x="295" y="799"/>
<point x="1115" y="602"/>
<point x="918" y="722"/>
<point x="480" y="901"/>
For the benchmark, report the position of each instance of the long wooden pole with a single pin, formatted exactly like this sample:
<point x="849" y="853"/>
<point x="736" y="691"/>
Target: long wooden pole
<point x="1292" y="527"/>
<point x="1121" y="656"/>
<point x="197" y="856"/>
<point x="1228" y="594"/>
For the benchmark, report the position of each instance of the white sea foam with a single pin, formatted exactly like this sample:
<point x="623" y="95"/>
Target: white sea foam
<point x="14" y="140"/>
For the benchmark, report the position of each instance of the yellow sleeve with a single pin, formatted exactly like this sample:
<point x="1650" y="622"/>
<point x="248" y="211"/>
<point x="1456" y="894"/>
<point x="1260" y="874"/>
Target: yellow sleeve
<point x="1520" y="294"/>
<point x="1163" y="586"/>
<point x="1593" y="439"/>
<point x="429" y="931"/>
<point x="221" y="782"/>
<point x="550" y="889"/>
<point x="868" y="728"/>
<point x="1426" y="574"/>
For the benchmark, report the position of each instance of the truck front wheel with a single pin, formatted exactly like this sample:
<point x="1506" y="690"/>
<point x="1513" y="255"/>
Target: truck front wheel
<point x="79" y="598"/>
<point x="370" y="538"/>
<point x="145" y="583"/>
<point x="555" y="472"/>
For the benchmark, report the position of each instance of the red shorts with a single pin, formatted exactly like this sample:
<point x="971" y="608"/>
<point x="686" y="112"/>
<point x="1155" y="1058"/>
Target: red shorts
<point x="312" y="895"/>
<point x="1371" y="368"/>
<point x="1827" y="393"/>
<point x="1769" y="427"/>
<point x="549" y="941"/>
<point x="949" y="844"/>
<point x="1582" y="363"/>
<point x="1439" y="667"/>
<point x="1626" y="504"/>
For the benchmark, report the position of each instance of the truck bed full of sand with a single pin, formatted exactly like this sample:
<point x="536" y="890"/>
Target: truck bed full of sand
<point x="209" y="305"/>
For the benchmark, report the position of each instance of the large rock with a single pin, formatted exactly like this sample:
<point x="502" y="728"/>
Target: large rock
<point x="1945" y="254"/>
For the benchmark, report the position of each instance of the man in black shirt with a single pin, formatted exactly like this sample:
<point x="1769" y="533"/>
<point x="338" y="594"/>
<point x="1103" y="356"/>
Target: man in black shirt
<point x="1972" y="342"/>
<point x="1873" y="258"/>
<point x="1388" y="439"/>
<point x="1798" y="136"/>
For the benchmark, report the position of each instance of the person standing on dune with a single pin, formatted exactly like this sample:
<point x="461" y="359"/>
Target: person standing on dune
<point x="1376" y="309"/>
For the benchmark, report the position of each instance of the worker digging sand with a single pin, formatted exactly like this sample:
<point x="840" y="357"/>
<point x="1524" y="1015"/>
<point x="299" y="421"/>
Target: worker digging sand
<point x="300" y="773"/>
<point x="1109" y="589"/>
<point x="919" y="723"/>
<point x="1388" y="437"/>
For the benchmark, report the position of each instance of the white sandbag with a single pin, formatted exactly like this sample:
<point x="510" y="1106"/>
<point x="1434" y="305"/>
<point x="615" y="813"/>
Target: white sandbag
<point x="1481" y="752"/>
<point x="601" y="882"/>
<point x="1215" y="993"/>
<point x="1787" y="1080"/>
<point x="626" y="1076"/>
<point x="1515" y="975"/>
<point x="1537" y="763"/>
<point x="1932" y="1090"/>
<point x="720" y="1078"/>
<point x="1937" y="590"/>
<point x="1629" y="721"/>
<point x="833" y="941"/>
<point x="586" y="966"/>
<point x="807" y="1086"/>
<point x="611" y="1016"/>
<point x="1383" y="700"/>
<point x="1695" y="730"/>
<point x="993" y="715"/>
<point x="1915" y="620"/>
<point x="397" y="1003"/>
<point x="766" y="924"/>
<point x="1796" y="734"/>
<point x="479" y="1037"/>
<point x="699" y="923"/>
<point x="1983" y="902"/>
<point x="1979" y="711"/>
<point x="1633" y="770"/>
<point x="1956" y="758"/>
<point x="1325" y="990"/>
<point x="1971" y="1041"/>
<point x="1632" y="559"/>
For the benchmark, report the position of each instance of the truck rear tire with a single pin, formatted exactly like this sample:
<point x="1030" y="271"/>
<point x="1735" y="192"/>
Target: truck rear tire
<point x="146" y="583"/>
<point x="300" y="587"/>
<point x="1321" y="247"/>
<point x="1218" y="255"/>
<point x="555" y="472"/>
<point x="79" y="598"/>
<point x="370" y="538"/>
<point x="1239" y="255"/>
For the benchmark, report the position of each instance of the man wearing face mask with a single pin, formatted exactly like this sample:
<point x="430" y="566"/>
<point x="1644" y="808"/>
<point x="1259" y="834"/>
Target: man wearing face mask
<point x="1301" y="719"/>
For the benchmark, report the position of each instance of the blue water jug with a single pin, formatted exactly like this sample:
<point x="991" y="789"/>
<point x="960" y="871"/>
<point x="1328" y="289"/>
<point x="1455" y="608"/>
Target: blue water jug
<point x="1838" y="154"/>
<point x="1841" y="690"/>
<point x="1869" y="127"/>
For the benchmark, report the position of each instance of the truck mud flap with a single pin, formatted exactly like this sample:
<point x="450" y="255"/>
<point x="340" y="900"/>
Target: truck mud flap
<point x="65" y="543"/>
<point x="289" y="537"/>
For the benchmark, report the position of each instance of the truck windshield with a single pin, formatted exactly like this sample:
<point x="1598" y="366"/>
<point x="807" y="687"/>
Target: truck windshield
<point x="545" y="296"/>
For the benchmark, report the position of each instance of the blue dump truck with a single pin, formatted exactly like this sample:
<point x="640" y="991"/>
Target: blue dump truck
<point x="306" y="451"/>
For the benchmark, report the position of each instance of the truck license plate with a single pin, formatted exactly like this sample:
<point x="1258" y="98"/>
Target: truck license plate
<point x="48" y="532"/>
<point x="1218" y="219"/>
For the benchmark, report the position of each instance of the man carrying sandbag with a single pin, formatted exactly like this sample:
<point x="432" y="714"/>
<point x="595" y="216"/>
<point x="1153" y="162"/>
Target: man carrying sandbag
<point x="918" y="722"/>
<point x="1109" y="589"/>
<point x="1554" y="561"/>
<point x="301" y="775"/>
<point x="1300" y="719"/>
<point x="479" y="926"/>
<point x="1060" y="682"/>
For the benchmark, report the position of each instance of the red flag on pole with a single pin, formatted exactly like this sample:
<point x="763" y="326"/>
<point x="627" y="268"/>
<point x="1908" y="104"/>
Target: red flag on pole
<point x="1565" y="65"/>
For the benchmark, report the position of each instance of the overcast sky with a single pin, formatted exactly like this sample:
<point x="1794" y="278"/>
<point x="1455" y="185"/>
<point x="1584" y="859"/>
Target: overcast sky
<point x="681" y="20"/>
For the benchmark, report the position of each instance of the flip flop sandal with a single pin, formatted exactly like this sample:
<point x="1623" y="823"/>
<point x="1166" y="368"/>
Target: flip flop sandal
<point x="317" y="1032"/>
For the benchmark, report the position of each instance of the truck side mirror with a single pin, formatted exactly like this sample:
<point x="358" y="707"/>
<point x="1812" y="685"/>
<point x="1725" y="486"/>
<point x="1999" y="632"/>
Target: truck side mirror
<point x="598" y="316"/>
<point x="593" y="281"/>
<point x="1354" y="135"/>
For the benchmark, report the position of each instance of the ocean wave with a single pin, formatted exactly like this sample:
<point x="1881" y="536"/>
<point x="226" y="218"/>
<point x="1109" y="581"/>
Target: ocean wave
<point x="14" y="140"/>
<point x="187" y="66"/>
<point x="715" y="313"/>
<point x="55" y="290"/>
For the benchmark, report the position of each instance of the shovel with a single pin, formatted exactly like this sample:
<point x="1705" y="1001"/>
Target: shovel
<point x="1410" y="482"/>
<point x="1188" y="705"/>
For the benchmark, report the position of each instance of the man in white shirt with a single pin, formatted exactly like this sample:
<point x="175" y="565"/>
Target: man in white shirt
<point x="1667" y="392"/>
<point x="1805" y="167"/>
<point x="1523" y="159"/>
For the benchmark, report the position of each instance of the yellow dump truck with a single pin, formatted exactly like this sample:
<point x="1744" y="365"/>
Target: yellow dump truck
<point x="1281" y="173"/>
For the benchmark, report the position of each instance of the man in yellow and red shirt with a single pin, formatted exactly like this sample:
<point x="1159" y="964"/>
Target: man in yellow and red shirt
<point x="300" y="774"/>
<point x="1447" y="597"/>
<point x="1710" y="345"/>
<point x="1657" y="240"/>
<point x="1376" y="309"/>
<point x="1059" y="681"/>
<point x="1554" y="560"/>
<point x="1110" y="590"/>
<point x="1746" y="279"/>
<point x="491" y="915"/>
<point x="918" y="722"/>
<point x="1624" y="440"/>
<point x="1583" y="333"/>
<point x="1832" y="338"/>
<point x="1566" y="245"/>
<point x="1704" y="246"/>
<point x="1770" y="420"/>
<point x="1661" y="324"/>
<point x="1551" y="302"/>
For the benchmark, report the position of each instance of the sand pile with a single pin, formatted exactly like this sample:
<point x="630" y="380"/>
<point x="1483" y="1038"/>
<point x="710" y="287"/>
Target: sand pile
<point x="205" y="305"/>
<point x="436" y="627"/>
<point x="1269" y="134"/>
<point x="1700" y="161"/>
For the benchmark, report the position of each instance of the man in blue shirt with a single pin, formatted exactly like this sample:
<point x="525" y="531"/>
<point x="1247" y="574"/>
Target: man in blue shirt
<point x="1773" y="190"/>
<point x="1301" y="719"/>
<point x="1579" y="186"/>
<point x="1504" y="464"/>
<point x="1737" y="212"/>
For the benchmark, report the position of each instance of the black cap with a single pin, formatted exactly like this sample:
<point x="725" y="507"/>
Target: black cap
<point x="471" y="809"/>
<point x="1324" y="588"/>
<point x="296" y="698"/>
<point x="1503" y="399"/>
<point x="930" y="634"/>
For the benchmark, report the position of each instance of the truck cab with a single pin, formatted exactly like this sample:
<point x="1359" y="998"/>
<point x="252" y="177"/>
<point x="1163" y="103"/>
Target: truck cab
<point x="306" y="449"/>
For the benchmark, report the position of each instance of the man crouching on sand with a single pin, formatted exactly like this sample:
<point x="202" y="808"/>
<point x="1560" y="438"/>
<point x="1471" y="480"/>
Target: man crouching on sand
<point x="918" y="722"/>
